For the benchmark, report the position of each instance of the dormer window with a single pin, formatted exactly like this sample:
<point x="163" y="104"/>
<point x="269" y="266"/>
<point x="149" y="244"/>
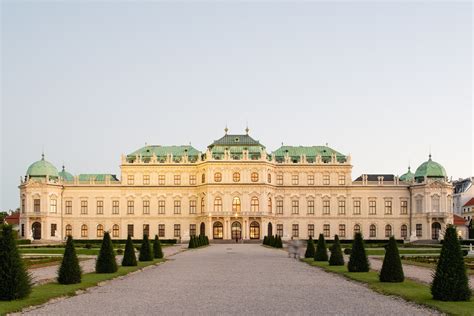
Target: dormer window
<point x="236" y="139"/>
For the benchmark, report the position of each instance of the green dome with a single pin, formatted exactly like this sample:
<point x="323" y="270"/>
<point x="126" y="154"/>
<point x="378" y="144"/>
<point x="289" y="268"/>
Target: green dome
<point x="66" y="175"/>
<point x="42" y="168"/>
<point x="430" y="169"/>
<point x="408" y="176"/>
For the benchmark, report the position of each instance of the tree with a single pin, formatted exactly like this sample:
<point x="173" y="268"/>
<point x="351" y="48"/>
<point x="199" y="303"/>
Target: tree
<point x="358" y="261"/>
<point x="69" y="272"/>
<point x="450" y="282"/>
<point x="392" y="270"/>
<point x="106" y="261"/>
<point x="129" y="258"/>
<point x="265" y="240"/>
<point x="15" y="281"/>
<point x="146" y="253"/>
<point x="278" y="243"/>
<point x="191" y="244"/>
<point x="321" y="253"/>
<point x="157" y="251"/>
<point x="309" y="248"/>
<point x="336" y="258"/>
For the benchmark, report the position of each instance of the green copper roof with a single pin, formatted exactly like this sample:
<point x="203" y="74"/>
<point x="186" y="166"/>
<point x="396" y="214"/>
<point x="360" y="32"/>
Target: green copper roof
<point x="236" y="144"/>
<point x="42" y="168"/>
<point x="66" y="176"/>
<point x="295" y="152"/>
<point x="236" y="140"/>
<point x="430" y="169"/>
<point x="408" y="176"/>
<point x="162" y="152"/>
<point x="100" y="177"/>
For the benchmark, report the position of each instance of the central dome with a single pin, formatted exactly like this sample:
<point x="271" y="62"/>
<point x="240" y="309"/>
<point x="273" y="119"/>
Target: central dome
<point x="42" y="168"/>
<point x="430" y="169"/>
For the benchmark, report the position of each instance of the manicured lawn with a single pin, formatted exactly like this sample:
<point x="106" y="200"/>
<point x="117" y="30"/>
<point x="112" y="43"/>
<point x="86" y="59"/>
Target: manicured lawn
<point x="409" y="290"/>
<point x="381" y="252"/>
<point x="43" y="293"/>
<point x="41" y="261"/>
<point x="79" y="251"/>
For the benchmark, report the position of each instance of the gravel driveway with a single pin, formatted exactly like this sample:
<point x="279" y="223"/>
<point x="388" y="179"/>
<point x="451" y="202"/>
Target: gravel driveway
<point x="231" y="279"/>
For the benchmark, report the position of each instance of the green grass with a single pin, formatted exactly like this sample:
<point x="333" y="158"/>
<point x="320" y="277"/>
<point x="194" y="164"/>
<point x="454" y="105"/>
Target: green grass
<point x="381" y="252"/>
<point x="43" y="293"/>
<point x="79" y="251"/>
<point x="408" y="290"/>
<point x="41" y="261"/>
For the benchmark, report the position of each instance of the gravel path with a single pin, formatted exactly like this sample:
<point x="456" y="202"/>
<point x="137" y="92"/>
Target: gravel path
<point x="231" y="279"/>
<point x="47" y="274"/>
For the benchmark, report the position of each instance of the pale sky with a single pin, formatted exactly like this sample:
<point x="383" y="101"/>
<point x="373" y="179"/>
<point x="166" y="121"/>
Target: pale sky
<point x="88" y="81"/>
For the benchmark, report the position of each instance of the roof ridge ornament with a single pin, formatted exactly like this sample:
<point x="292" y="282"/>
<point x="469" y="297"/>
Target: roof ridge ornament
<point x="226" y="129"/>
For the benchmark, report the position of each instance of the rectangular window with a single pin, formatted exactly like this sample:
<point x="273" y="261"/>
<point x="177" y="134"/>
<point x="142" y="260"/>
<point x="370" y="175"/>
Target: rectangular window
<point x="295" y="207"/>
<point x="130" y="179"/>
<point x="161" y="207"/>
<point x="311" y="230"/>
<point x="326" y="179"/>
<point x="146" y="179"/>
<point x="146" y="207"/>
<point x="356" y="209"/>
<point x="342" y="230"/>
<point x="146" y="229"/>
<point x="100" y="207"/>
<point x="130" y="207"/>
<point x="404" y="207"/>
<point x="388" y="207"/>
<point x="23" y="205"/>
<point x="177" y="207"/>
<point x="68" y="205"/>
<point x="279" y="179"/>
<point x="372" y="207"/>
<point x="310" y="179"/>
<point x="83" y="207"/>
<point x="192" y="179"/>
<point x="177" y="179"/>
<point x="161" y="179"/>
<point x="342" y="179"/>
<point x="419" y="230"/>
<point x="435" y="202"/>
<point x="294" y="179"/>
<point x="341" y="207"/>
<point x="326" y="207"/>
<point x="54" y="227"/>
<point x="326" y="230"/>
<point x="115" y="207"/>
<point x="177" y="230"/>
<point x="192" y="206"/>
<point x="130" y="230"/>
<point x="280" y="230"/>
<point x="36" y="205"/>
<point x="311" y="207"/>
<point x="192" y="229"/>
<point x="295" y="230"/>
<point x="53" y="207"/>
<point x="419" y="205"/>
<point x="279" y="207"/>
<point x="161" y="230"/>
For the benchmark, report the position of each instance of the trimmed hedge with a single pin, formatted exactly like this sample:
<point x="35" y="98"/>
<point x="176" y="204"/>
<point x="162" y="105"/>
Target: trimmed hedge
<point x="358" y="261"/>
<point x="69" y="272"/>
<point x="321" y="253"/>
<point x="117" y="241"/>
<point x="392" y="270"/>
<point x="106" y="260"/>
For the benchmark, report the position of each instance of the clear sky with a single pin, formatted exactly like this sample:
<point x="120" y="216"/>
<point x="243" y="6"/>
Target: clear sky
<point x="88" y="81"/>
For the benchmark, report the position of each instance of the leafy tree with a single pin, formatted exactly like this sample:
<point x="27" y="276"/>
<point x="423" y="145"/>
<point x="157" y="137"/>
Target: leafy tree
<point x="450" y="282"/>
<point x="321" y="253"/>
<point x="15" y="281"/>
<point x="69" y="272"/>
<point x="358" y="261"/>
<point x="146" y="253"/>
<point x="336" y="258"/>
<point x="157" y="251"/>
<point x="392" y="270"/>
<point x="129" y="258"/>
<point x="309" y="248"/>
<point x="106" y="261"/>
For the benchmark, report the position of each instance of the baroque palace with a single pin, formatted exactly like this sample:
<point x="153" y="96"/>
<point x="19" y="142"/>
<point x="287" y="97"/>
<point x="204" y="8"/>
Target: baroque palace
<point x="235" y="189"/>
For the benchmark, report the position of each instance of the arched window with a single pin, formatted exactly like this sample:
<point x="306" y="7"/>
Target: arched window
<point x="217" y="230"/>
<point x="254" y="230"/>
<point x="254" y="177"/>
<point x="217" y="177"/>
<point x="115" y="230"/>
<point x="68" y="230"/>
<point x="100" y="230"/>
<point x="270" y="205"/>
<point x="236" y="204"/>
<point x="217" y="204"/>
<point x="269" y="178"/>
<point x="254" y="206"/>
<point x="356" y="228"/>
<point x="388" y="230"/>
<point x="236" y="177"/>
<point x="203" y="178"/>
<point x="84" y="231"/>
<point x="404" y="231"/>
<point x="372" y="231"/>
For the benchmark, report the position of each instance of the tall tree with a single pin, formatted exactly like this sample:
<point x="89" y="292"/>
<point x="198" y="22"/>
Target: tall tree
<point x="69" y="272"/>
<point x="309" y="248"/>
<point x="157" y="251"/>
<point x="106" y="261"/>
<point x="321" y="253"/>
<point x="129" y="258"/>
<point x="146" y="253"/>
<point x="336" y="258"/>
<point x="358" y="261"/>
<point x="392" y="270"/>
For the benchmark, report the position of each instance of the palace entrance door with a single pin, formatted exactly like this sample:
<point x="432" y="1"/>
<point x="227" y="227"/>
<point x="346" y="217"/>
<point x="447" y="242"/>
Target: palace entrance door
<point x="36" y="228"/>
<point x="236" y="230"/>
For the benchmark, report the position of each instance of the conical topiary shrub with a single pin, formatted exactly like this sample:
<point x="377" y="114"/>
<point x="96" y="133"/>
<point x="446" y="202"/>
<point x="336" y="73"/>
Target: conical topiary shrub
<point x="207" y="240"/>
<point x="392" y="270"/>
<point x="265" y="240"/>
<point x="279" y="242"/>
<point x="106" y="261"/>
<point x="191" y="244"/>
<point x="336" y="258"/>
<point x="321" y="253"/>
<point x="271" y="241"/>
<point x="450" y="282"/>
<point x="157" y="251"/>
<point x="69" y="272"/>
<point x="15" y="281"/>
<point x="309" y="248"/>
<point x="358" y="261"/>
<point x="129" y="258"/>
<point x="146" y="253"/>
